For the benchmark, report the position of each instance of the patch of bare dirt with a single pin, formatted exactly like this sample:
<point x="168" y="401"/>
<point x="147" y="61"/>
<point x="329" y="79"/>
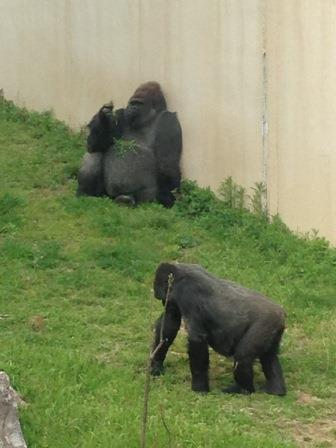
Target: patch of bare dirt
<point x="36" y="323"/>
<point x="307" y="399"/>
<point x="321" y="433"/>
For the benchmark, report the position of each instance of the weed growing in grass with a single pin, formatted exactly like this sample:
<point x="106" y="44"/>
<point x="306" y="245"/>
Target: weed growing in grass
<point x="10" y="218"/>
<point x="75" y="283"/>
<point x="233" y="195"/>
<point x="259" y="199"/>
<point x="195" y="201"/>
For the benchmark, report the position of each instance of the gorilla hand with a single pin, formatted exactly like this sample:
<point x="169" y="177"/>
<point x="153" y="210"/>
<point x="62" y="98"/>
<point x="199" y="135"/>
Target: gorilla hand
<point x="106" y="111"/>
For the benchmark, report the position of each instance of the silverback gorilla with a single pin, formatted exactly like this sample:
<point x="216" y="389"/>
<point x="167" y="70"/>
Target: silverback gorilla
<point x="148" y="172"/>
<point x="231" y="319"/>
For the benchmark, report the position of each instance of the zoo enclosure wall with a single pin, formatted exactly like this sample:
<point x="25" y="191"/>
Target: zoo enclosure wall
<point x="253" y="82"/>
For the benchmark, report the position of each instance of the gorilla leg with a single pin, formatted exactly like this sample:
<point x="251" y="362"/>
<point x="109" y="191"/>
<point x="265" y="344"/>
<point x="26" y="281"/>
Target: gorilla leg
<point x="90" y="176"/>
<point x="243" y="375"/>
<point x="172" y="323"/>
<point x="146" y="194"/>
<point x="124" y="199"/>
<point x="245" y="353"/>
<point x="275" y="383"/>
<point x="166" y="198"/>
<point x="273" y="373"/>
<point x="199" y="364"/>
<point x="260" y="338"/>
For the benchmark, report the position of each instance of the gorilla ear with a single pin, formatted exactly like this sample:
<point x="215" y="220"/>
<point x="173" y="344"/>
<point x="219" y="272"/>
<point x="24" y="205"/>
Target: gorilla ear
<point x="161" y="279"/>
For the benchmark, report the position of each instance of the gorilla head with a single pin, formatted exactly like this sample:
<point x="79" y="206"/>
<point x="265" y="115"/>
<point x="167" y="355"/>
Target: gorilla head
<point x="145" y="104"/>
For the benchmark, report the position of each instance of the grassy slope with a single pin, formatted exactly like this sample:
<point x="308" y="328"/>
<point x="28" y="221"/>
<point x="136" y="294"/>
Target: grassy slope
<point x="75" y="308"/>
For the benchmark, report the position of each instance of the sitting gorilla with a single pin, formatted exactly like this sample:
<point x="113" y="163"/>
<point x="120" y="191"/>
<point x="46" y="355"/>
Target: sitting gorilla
<point x="148" y="172"/>
<point x="231" y="319"/>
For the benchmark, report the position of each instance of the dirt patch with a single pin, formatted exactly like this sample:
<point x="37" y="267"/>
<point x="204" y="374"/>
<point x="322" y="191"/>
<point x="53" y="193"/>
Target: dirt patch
<point x="36" y="323"/>
<point x="307" y="399"/>
<point x="321" y="433"/>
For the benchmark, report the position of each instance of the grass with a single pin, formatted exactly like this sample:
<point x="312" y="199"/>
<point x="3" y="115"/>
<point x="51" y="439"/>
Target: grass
<point x="76" y="307"/>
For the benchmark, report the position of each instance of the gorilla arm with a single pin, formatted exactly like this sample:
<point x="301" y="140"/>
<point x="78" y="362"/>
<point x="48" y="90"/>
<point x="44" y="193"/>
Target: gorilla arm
<point x="104" y="127"/>
<point x="167" y="150"/>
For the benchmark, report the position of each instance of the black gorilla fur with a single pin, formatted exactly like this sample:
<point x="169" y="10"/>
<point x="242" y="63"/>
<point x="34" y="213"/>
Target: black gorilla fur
<point x="233" y="320"/>
<point x="150" y="172"/>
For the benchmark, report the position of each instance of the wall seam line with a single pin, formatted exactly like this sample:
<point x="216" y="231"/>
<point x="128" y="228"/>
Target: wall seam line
<point x="264" y="121"/>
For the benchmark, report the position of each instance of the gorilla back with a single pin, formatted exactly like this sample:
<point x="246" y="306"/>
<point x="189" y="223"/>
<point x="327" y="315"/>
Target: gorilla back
<point x="233" y="320"/>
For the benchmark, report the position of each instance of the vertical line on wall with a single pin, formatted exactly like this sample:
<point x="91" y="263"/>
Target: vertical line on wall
<point x="264" y="121"/>
<point x="139" y="74"/>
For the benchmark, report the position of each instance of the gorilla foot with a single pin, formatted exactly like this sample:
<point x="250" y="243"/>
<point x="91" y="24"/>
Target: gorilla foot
<point x="200" y="387"/>
<point x="236" y="389"/>
<point x="124" y="199"/>
<point x="157" y="368"/>
<point x="166" y="198"/>
<point x="276" y="389"/>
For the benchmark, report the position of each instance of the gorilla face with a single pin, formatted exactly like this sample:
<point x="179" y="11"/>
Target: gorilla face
<point x="144" y="105"/>
<point x="139" y="112"/>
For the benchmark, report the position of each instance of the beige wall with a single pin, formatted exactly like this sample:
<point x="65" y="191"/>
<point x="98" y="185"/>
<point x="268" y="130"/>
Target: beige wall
<point x="301" y="46"/>
<point x="243" y="115"/>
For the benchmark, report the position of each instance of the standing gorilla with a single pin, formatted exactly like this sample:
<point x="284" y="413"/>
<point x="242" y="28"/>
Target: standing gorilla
<point x="231" y="319"/>
<point x="148" y="172"/>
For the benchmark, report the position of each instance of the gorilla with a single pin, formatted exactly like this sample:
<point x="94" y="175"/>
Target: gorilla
<point x="134" y="153"/>
<point x="235" y="321"/>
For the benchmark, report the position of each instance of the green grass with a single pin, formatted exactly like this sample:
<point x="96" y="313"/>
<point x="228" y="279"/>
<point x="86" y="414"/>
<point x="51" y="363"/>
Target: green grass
<point x="76" y="307"/>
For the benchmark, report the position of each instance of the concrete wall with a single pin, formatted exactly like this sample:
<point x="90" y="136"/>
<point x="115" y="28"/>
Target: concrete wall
<point x="252" y="81"/>
<point x="301" y="48"/>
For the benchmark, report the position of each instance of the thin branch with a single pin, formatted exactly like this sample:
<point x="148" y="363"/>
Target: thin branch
<point x="165" y="425"/>
<point x="143" y="435"/>
<point x="145" y="406"/>
<point x="151" y="355"/>
<point x="170" y="283"/>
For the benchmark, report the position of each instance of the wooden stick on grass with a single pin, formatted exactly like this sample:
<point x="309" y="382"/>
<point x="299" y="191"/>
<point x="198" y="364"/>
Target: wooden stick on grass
<point x="143" y="435"/>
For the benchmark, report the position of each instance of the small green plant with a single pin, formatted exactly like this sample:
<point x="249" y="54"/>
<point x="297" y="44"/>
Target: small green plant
<point x="259" y="199"/>
<point x="122" y="146"/>
<point x="10" y="217"/>
<point x="232" y="194"/>
<point x="195" y="201"/>
<point x="187" y="242"/>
